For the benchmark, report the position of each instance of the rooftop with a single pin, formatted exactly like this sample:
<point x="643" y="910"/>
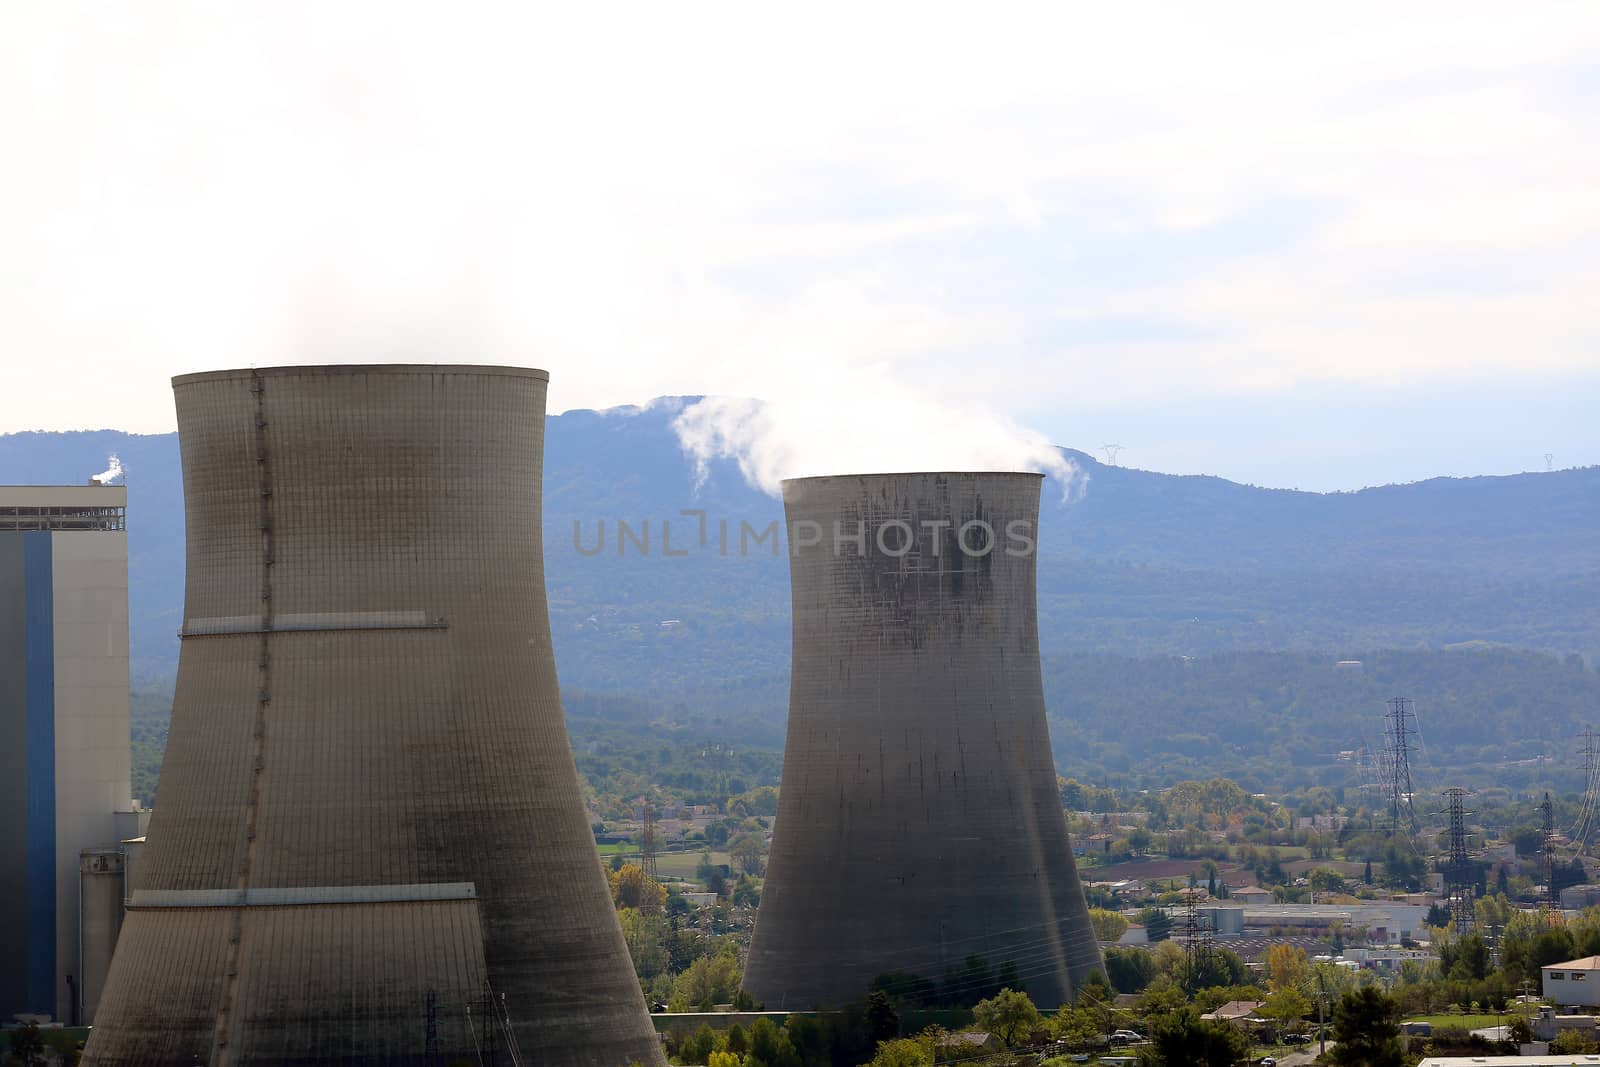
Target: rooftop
<point x="63" y="507"/>
<point x="1588" y="963"/>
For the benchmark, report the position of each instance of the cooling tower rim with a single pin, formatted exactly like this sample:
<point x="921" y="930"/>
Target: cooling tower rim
<point x="816" y="478"/>
<point x="330" y="370"/>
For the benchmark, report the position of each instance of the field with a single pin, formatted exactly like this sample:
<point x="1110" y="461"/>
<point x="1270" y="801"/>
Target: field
<point x="676" y="866"/>
<point x="1464" y="1022"/>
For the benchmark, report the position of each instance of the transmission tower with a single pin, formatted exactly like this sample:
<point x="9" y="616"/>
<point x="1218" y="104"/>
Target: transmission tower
<point x="1197" y="943"/>
<point x="1399" y="725"/>
<point x="1547" y="846"/>
<point x="1458" y="874"/>
<point x="1111" y="453"/>
<point x="647" y="841"/>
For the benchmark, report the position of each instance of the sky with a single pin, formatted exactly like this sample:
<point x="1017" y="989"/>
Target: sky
<point x="1271" y="242"/>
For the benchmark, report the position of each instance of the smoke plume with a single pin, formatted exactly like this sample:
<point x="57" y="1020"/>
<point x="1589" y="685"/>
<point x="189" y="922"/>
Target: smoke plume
<point x="112" y="472"/>
<point x="866" y="422"/>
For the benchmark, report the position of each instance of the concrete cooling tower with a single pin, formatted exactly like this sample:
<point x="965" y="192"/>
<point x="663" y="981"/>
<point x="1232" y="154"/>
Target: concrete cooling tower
<point x="919" y="822"/>
<point x="369" y="844"/>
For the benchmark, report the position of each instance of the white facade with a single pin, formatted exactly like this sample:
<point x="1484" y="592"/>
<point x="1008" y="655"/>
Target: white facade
<point x="1575" y="982"/>
<point x="93" y="758"/>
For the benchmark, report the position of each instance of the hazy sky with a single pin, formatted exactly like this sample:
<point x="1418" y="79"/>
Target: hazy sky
<point x="1246" y="240"/>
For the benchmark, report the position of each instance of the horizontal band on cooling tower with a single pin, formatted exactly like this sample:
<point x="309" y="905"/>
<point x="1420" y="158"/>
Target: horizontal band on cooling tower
<point x="289" y="896"/>
<point x="336" y="370"/>
<point x="223" y="625"/>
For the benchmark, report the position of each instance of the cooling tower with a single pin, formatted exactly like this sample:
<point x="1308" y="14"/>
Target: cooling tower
<point x="369" y="844"/>
<point x="919" y="821"/>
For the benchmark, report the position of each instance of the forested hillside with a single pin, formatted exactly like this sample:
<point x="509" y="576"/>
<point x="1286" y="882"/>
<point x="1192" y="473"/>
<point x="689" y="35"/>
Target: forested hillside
<point x="1133" y="563"/>
<point x="1269" y="720"/>
<point x="1474" y="592"/>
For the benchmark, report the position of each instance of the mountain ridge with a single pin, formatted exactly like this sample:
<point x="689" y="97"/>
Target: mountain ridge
<point x="1137" y="563"/>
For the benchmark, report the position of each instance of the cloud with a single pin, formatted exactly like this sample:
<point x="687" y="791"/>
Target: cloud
<point x="734" y="202"/>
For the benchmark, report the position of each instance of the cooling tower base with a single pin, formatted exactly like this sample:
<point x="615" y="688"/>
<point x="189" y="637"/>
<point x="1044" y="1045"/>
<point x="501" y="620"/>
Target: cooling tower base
<point x="296" y="984"/>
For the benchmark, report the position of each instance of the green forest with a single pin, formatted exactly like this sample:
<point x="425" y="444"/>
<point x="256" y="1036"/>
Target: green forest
<point x="1273" y="721"/>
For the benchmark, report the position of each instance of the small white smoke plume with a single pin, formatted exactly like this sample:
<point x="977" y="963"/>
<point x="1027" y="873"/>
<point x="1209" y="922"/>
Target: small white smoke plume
<point x="862" y="423"/>
<point x="112" y="472"/>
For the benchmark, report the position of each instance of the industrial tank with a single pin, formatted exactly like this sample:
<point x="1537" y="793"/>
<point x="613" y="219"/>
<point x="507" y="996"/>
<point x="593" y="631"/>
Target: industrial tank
<point x="919" y="831"/>
<point x="369" y="844"/>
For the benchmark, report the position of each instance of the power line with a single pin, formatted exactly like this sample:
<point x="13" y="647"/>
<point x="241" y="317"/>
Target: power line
<point x="1591" y="790"/>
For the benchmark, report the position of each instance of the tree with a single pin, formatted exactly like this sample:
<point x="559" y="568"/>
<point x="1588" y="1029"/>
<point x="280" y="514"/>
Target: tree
<point x="1078" y="1025"/>
<point x="645" y="933"/>
<point x="1288" y="967"/>
<point x="1157" y="924"/>
<point x="1366" y="1029"/>
<point x="1573" y="1041"/>
<point x="1285" y="1007"/>
<point x="1008" y="1015"/>
<point x="1108" y="925"/>
<point x="1161" y="997"/>
<point x="904" y="1052"/>
<point x="632" y="888"/>
<point x="1129" y="969"/>
<point x="1182" y="1039"/>
<point x="883" y="1022"/>
<point x="1366" y="876"/>
<point x="1095" y="988"/>
<point x="770" y="1046"/>
<point x="1217" y="967"/>
<point x="1326" y="880"/>
<point x="747" y="850"/>
<point x="708" y="981"/>
<point x="1467" y="960"/>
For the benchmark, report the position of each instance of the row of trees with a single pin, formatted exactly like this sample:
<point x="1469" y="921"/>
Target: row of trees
<point x="1366" y="1033"/>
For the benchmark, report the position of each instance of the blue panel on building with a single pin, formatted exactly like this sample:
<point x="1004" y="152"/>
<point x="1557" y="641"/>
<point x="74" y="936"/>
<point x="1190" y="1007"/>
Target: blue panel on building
<point x="39" y="626"/>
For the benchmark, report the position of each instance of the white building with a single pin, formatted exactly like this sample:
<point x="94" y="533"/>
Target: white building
<point x="1574" y="982"/>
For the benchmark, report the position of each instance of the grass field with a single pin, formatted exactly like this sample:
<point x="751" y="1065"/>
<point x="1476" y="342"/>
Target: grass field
<point x="682" y="864"/>
<point x="678" y="866"/>
<point x="1465" y="1022"/>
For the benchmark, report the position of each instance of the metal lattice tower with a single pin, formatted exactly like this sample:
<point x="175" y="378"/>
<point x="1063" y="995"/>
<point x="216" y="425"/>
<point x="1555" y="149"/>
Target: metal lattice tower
<point x="1398" y="728"/>
<point x="1547" y="846"/>
<point x="1196" y="943"/>
<point x="647" y="841"/>
<point x="1458" y="875"/>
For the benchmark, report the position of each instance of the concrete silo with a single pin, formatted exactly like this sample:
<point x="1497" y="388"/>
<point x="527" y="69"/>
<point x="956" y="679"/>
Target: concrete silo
<point x="919" y="822"/>
<point x="369" y="844"/>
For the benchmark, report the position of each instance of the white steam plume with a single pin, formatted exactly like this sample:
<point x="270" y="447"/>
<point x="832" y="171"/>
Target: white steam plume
<point x="112" y="472"/>
<point x="864" y="421"/>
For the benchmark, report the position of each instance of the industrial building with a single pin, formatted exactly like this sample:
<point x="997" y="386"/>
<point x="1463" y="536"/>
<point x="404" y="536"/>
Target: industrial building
<point x="369" y="844"/>
<point x="1573" y="982"/>
<point x="64" y="759"/>
<point x="919" y="829"/>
